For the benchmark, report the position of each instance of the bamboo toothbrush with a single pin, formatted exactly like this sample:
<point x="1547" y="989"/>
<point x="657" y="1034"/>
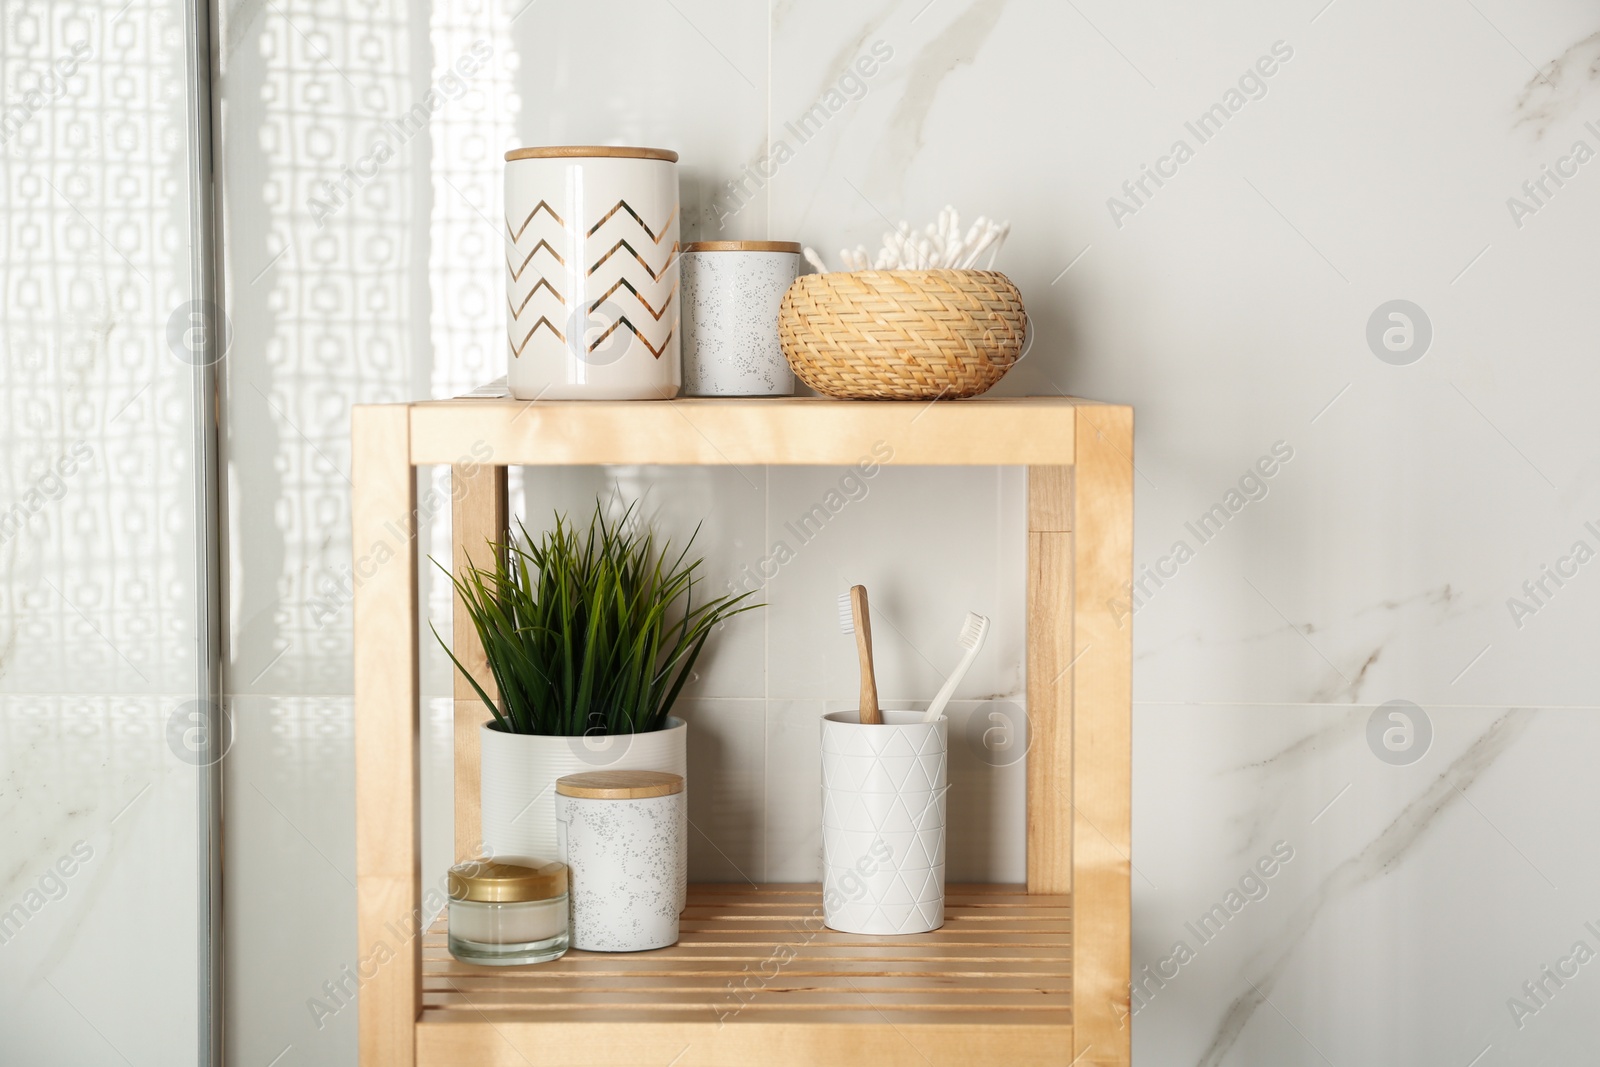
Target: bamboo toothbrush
<point x="853" y="619"/>
<point x="973" y="633"/>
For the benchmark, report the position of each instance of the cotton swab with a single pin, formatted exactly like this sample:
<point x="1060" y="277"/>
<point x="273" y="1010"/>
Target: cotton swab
<point x="999" y="239"/>
<point x="978" y="249"/>
<point x="940" y="245"/>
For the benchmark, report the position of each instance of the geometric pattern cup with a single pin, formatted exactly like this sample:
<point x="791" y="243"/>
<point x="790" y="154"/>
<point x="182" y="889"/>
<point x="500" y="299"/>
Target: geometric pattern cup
<point x="883" y="823"/>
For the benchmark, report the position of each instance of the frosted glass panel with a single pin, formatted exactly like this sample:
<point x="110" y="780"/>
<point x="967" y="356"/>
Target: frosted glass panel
<point x="98" y="783"/>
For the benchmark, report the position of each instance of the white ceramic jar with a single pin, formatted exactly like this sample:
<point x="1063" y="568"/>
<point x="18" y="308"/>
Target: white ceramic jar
<point x="883" y="822"/>
<point x="621" y="838"/>
<point x="519" y="773"/>
<point x="592" y="273"/>
<point x="731" y="294"/>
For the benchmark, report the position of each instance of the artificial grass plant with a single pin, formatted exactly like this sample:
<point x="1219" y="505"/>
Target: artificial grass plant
<point x="590" y="633"/>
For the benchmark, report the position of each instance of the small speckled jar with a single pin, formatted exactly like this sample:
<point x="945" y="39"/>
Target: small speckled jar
<point x="731" y="293"/>
<point x="621" y="836"/>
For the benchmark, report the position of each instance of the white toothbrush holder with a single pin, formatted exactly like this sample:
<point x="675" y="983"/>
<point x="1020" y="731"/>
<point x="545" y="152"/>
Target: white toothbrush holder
<point x="883" y="823"/>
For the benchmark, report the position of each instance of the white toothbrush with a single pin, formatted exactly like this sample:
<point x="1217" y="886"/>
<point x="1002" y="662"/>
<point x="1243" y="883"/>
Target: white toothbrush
<point x="973" y="633"/>
<point x="855" y="619"/>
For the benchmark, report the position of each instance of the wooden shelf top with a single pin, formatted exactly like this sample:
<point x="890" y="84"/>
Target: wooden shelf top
<point x="758" y="978"/>
<point x="754" y="431"/>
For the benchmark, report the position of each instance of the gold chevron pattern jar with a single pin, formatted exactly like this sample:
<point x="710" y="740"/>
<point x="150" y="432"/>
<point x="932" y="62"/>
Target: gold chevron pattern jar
<point x="592" y="273"/>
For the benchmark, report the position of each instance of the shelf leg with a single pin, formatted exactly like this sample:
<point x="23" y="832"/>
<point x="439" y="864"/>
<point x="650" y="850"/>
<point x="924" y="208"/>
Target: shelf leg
<point x="1102" y="727"/>
<point x="388" y="856"/>
<point x="479" y="516"/>
<point x="1050" y="654"/>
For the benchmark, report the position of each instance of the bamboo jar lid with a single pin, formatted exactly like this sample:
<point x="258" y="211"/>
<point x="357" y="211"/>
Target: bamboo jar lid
<point x="507" y="882"/>
<point x="743" y="246"/>
<point x="619" y="785"/>
<point x="591" y="151"/>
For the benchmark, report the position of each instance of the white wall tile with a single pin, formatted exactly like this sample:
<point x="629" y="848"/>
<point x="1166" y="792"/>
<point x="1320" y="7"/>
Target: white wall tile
<point x="794" y="790"/>
<point x="291" y="815"/>
<point x="291" y="788"/>
<point x="930" y="545"/>
<point x="727" y="793"/>
<point x="690" y="76"/>
<point x="1391" y="865"/>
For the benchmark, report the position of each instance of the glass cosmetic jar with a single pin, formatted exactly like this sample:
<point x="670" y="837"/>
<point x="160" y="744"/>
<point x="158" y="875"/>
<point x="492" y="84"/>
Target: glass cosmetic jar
<point x="505" y="914"/>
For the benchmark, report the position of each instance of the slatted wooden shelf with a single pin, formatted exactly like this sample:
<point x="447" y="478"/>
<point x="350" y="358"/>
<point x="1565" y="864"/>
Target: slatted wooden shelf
<point x="998" y="949"/>
<point x="1024" y="975"/>
<point x="753" y="956"/>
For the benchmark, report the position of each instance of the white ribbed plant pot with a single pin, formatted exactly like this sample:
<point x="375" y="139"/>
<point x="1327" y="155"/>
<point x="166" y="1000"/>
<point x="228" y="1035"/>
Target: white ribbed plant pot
<point x="883" y="823"/>
<point x="519" y="773"/>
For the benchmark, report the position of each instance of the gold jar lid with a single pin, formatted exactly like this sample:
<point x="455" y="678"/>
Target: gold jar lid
<point x="504" y="883"/>
<point x="591" y="151"/>
<point x="619" y="785"/>
<point x="743" y="246"/>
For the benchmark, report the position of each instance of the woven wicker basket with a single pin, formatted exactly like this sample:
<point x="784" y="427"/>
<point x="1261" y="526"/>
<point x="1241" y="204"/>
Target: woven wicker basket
<point x="902" y="334"/>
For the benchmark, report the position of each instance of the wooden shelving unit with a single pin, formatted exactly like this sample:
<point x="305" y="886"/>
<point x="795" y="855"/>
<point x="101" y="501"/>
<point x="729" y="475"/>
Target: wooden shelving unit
<point x="1031" y="974"/>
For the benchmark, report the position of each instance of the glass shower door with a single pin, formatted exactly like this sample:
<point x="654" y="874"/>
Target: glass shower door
<point x="106" y="739"/>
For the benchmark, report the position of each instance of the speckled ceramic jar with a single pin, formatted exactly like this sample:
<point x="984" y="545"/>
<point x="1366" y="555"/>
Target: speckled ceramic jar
<point x="621" y="836"/>
<point x="731" y="293"/>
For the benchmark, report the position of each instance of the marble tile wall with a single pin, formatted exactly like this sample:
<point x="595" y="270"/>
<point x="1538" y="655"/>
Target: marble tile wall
<point x="1369" y="154"/>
